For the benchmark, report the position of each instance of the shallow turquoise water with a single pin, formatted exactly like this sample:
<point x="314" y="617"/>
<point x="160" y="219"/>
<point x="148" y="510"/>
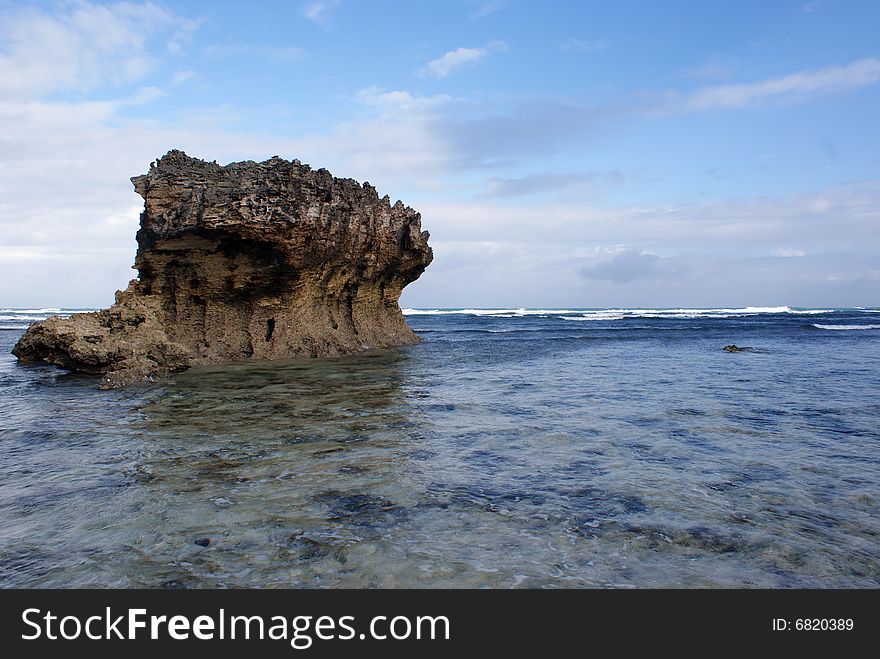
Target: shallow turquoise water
<point x="508" y="449"/>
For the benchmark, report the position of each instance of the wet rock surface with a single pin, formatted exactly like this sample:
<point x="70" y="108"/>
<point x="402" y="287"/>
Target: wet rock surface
<point x="246" y="261"/>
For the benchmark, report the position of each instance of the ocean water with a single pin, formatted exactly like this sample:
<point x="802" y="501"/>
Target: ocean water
<point x="511" y="448"/>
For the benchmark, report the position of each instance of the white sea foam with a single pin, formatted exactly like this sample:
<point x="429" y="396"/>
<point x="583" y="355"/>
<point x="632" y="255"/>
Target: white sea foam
<point x="846" y="327"/>
<point x="702" y="313"/>
<point x="30" y="315"/>
<point x="497" y="313"/>
<point x="603" y="315"/>
<point x="616" y="314"/>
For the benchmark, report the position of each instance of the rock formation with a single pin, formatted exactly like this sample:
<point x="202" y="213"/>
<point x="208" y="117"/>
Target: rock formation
<point x="249" y="260"/>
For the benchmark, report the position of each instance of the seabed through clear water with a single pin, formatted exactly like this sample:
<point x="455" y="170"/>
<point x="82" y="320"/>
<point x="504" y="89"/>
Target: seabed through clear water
<point x="511" y="448"/>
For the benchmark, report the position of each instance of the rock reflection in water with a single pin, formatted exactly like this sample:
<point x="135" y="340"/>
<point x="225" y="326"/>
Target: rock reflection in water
<point x="285" y="466"/>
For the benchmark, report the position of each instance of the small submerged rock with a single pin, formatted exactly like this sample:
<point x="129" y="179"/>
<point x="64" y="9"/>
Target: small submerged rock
<point x="203" y="542"/>
<point x="735" y="348"/>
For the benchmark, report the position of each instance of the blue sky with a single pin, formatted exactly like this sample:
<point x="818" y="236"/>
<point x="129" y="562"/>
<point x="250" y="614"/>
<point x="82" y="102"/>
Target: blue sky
<point x="561" y="153"/>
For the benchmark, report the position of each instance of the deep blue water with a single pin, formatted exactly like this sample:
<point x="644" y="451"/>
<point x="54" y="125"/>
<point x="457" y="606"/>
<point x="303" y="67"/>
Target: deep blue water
<point x="569" y="448"/>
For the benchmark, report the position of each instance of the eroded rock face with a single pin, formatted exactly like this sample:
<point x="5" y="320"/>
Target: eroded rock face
<point x="249" y="260"/>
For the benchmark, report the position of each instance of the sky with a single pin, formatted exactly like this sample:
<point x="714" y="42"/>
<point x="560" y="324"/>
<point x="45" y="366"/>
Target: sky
<point x="562" y="154"/>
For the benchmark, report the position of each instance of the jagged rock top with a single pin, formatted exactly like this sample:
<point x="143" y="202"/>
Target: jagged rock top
<point x="309" y="214"/>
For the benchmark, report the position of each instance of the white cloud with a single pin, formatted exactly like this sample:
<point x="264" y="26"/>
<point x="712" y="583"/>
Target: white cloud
<point x="489" y="7"/>
<point x="788" y="252"/>
<point x="790" y="88"/>
<point x="715" y="67"/>
<point x="574" y="45"/>
<point x="284" y="52"/>
<point x="83" y="47"/>
<point x="395" y="150"/>
<point x="182" y="76"/>
<point x="569" y="184"/>
<point x="526" y="253"/>
<point x="318" y="11"/>
<point x="455" y="59"/>
<point x="397" y="101"/>
<point x="226" y="50"/>
<point x="836" y="220"/>
<point x="625" y="266"/>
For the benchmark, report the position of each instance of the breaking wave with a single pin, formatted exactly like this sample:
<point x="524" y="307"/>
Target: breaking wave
<point x="616" y="314"/>
<point x="846" y="327"/>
